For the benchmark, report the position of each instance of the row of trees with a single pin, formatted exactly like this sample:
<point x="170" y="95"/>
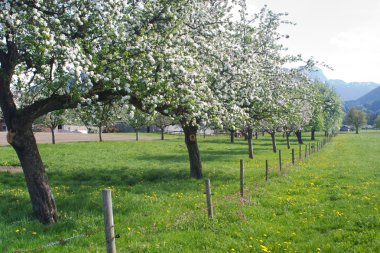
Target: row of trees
<point x="194" y="61"/>
<point x="104" y="117"/>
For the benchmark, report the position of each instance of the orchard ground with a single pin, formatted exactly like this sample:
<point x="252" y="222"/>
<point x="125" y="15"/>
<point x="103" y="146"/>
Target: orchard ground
<point x="44" y="137"/>
<point x="328" y="202"/>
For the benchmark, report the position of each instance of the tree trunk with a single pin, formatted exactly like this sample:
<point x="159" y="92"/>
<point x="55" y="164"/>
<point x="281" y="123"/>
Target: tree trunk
<point x="257" y="135"/>
<point x="326" y="133"/>
<point x="162" y="134"/>
<point x="100" y="134"/>
<point x="250" y="146"/>
<point x="232" y="135"/>
<point x="299" y="136"/>
<point x="137" y="134"/>
<point x="192" y="148"/>
<point x="287" y="139"/>
<point x="43" y="204"/>
<point x="313" y="134"/>
<point x="52" y="135"/>
<point x="274" y="146"/>
<point x="356" y="129"/>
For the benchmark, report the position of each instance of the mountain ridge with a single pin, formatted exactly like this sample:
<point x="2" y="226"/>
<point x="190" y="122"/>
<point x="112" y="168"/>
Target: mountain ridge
<point x="347" y="91"/>
<point x="369" y="103"/>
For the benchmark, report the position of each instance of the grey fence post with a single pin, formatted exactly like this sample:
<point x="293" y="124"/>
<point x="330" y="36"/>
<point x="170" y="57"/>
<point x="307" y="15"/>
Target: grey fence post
<point x="305" y="151"/>
<point x="209" y="200"/>
<point x="292" y="155"/>
<point x="299" y="152"/>
<point x="242" y="178"/>
<point x="108" y="221"/>
<point x="280" y="159"/>
<point x="266" y="170"/>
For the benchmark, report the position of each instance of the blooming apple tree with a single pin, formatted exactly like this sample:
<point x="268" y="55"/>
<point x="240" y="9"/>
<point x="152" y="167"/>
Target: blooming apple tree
<point x="53" y="53"/>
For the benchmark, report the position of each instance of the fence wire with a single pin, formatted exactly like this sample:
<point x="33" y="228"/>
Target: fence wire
<point x="61" y="241"/>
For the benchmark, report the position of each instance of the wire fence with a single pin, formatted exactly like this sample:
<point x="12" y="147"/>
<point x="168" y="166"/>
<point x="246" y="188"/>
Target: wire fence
<point x="109" y="226"/>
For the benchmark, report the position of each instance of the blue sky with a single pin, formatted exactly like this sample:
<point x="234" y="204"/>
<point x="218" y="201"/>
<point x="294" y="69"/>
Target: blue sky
<point x="345" y="34"/>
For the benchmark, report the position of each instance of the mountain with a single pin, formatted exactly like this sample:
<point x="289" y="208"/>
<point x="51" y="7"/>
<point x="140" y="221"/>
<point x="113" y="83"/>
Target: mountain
<point x="369" y="103"/>
<point x="353" y="90"/>
<point x="317" y="74"/>
<point x="347" y="91"/>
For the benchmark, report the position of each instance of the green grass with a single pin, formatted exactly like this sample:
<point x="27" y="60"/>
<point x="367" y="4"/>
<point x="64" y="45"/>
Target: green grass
<point x="326" y="203"/>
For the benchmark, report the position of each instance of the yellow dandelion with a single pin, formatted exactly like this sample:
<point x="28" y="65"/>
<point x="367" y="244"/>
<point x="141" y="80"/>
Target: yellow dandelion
<point x="17" y="231"/>
<point x="264" y="248"/>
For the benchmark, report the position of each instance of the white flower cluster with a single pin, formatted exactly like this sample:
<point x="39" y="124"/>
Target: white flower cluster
<point x="191" y="60"/>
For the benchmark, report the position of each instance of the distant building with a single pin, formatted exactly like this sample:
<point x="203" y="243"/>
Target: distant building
<point x="124" y="128"/>
<point x="72" y="128"/>
<point x="345" y="128"/>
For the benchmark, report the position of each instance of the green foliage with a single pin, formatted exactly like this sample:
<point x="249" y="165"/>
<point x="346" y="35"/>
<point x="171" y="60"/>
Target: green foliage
<point x="327" y="108"/>
<point x="327" y="203"/>
<point x="377" y="122"/>
<point x="98" y="114"/>
<point x="356" y="118"/>
<point x="137" y="118"/>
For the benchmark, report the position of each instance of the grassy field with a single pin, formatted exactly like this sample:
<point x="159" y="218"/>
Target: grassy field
<point x="326" y="203"/>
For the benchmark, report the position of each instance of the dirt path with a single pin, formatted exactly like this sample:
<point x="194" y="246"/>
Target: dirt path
<point x="11" y="169"/>
<point x="73" y="137"/>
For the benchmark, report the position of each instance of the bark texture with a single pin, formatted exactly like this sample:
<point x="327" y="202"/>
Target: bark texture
<point x="287" y="139"/>
<point x="162" y="134"/>
<point x="100" y="134"/>
<point x="193" y="150"/>
<point x="52" y="135"/>
<point x="299" y="136"/>
<point x="232" y="136"/>
<point x="42" y="199"/>
<point x="274" y="145"/>
<point x="250" y="145"/>
<point x="313" y="134"/>
<point x="21" y="138"/>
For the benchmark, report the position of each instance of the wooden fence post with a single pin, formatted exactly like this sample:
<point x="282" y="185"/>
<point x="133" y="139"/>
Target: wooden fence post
<point x="266" y="171"/>
<point x="108" y="221"/>
<point x="209" y="200"/>
<point x="241" y="178"/>
<point x="305" y="151"/>
<point x="293" y="156"/>
<point x="280" y="159"/>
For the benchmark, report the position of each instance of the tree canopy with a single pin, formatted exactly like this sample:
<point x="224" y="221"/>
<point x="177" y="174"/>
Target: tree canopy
<point x="356" y="118"/>
<point x="193" y="61"/>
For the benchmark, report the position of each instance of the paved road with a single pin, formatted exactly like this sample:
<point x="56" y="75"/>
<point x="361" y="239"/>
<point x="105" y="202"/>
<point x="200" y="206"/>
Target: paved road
<point x="73" y="137"/>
